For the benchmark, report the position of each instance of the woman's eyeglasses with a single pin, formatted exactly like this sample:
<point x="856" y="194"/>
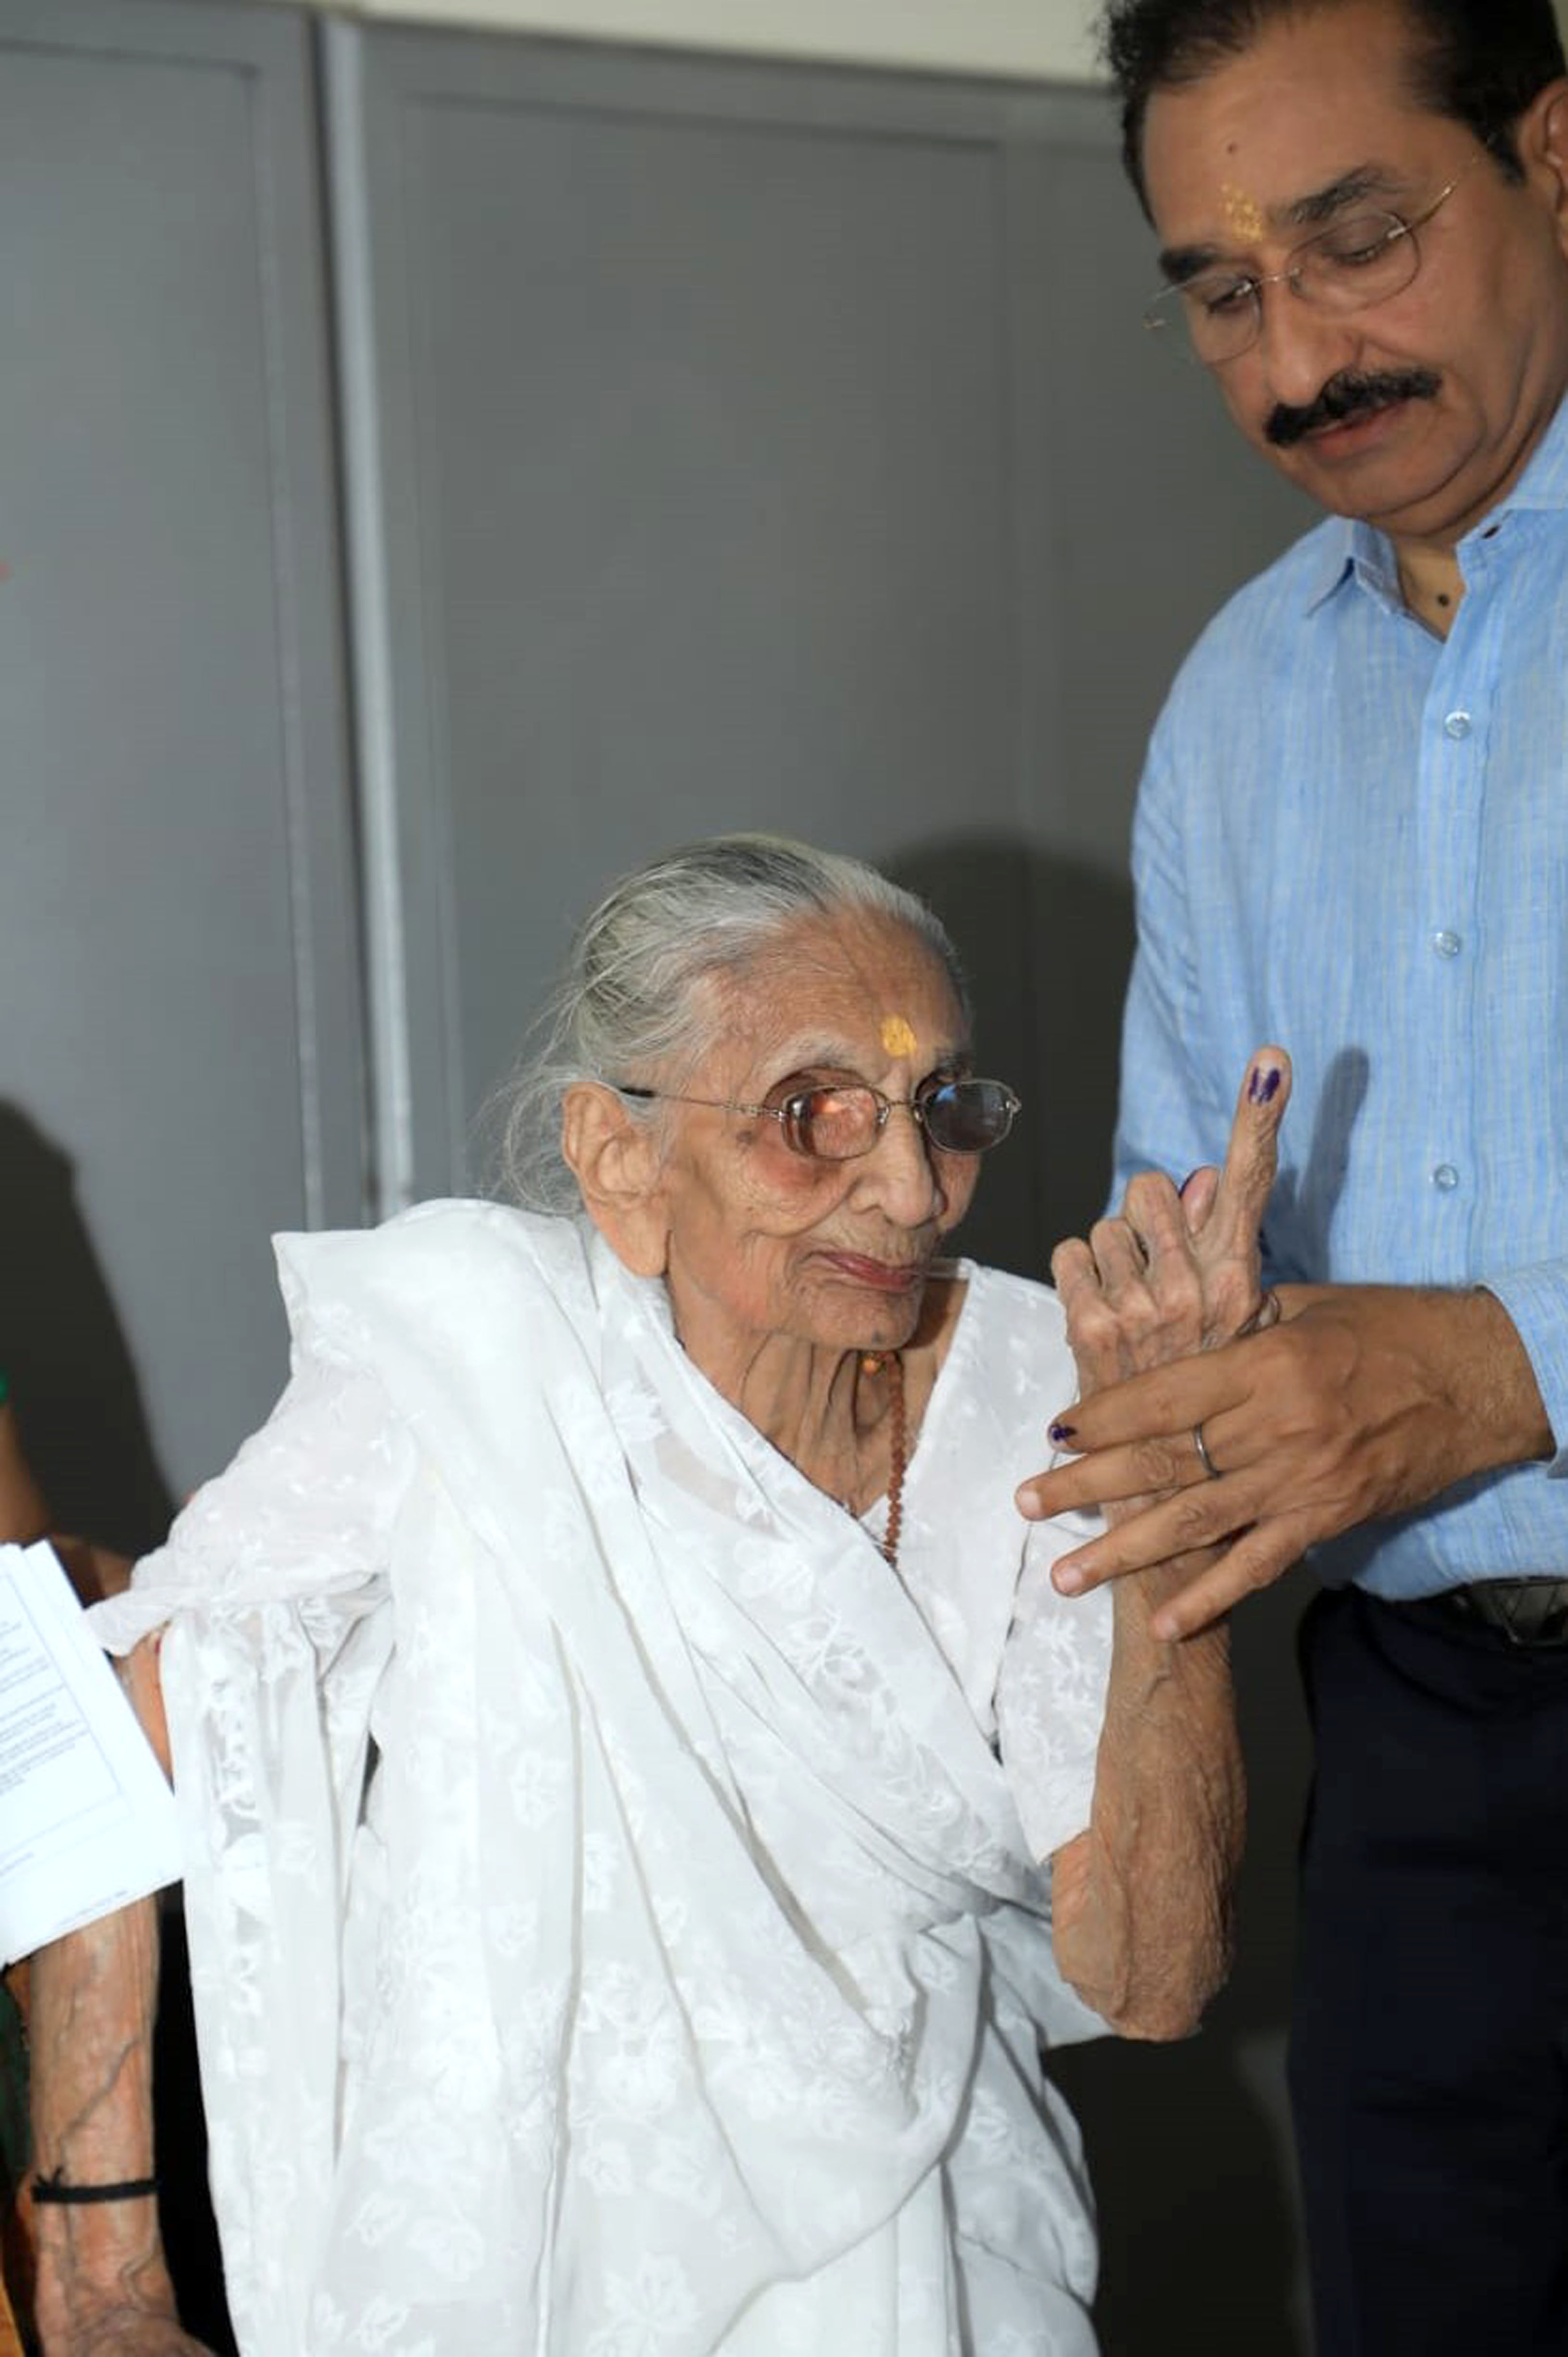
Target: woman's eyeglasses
<point x="842" y="1122"/>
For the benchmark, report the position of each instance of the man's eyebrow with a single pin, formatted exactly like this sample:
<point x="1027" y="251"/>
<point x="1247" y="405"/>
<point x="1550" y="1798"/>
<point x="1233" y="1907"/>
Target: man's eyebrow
<point x="1180" y="262"/>
<point x="1351" y="189"/>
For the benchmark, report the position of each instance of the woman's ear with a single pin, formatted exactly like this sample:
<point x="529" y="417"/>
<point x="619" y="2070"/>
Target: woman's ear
<point x="615" y="1159"/>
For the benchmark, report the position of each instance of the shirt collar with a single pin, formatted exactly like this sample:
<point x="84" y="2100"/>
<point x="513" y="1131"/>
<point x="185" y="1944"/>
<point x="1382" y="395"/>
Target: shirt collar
<point x="1351" y="547"/>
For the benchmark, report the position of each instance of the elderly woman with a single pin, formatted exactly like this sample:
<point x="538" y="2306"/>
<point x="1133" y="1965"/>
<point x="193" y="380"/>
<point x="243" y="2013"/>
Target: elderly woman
<point x="627" y="1735"/>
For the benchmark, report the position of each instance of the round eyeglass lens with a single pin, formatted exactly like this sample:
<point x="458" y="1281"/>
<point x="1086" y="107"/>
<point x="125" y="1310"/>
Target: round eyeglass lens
<point x="1215" y="317"/>
<point x="835" y="1124"/>
<point x="1209" y="319"/>
<point x="967" y="1116"/>
<point x="1361" y="261"/>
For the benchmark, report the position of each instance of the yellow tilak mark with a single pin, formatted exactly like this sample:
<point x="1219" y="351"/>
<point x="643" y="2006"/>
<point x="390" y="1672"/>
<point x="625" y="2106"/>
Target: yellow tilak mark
<point x="898" y="1039"/>
<point x="1241" y="211"/>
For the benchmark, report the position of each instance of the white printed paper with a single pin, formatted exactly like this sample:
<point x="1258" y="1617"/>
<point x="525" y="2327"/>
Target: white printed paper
<point x="87" y="1819"/>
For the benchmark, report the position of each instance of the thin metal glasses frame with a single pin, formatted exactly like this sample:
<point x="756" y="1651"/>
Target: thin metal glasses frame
<point x="1171" y="305"/>
<point x="793" y="1116"/>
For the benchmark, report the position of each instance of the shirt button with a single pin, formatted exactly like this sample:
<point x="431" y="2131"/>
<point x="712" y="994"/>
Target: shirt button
<point x="1447" y="944"/>
<point x="1457" y="725"/>
<point x="1446" y="1178"/>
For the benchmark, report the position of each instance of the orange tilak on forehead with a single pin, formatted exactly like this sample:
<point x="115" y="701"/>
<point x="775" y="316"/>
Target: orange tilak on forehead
<point x="1243" y="214"/>
<point x="897" y="1037"/>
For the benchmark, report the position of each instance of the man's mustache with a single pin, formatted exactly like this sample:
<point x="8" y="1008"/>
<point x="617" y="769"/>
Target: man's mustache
<point x="1351" y="394"/>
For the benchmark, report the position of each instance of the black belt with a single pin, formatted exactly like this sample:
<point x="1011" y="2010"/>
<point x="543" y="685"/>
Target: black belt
<point x="1525" y="1611"/>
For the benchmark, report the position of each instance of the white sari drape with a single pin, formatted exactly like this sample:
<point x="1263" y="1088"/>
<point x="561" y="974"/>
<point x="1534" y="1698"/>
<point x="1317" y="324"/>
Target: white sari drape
<point x="614" y="1933"/>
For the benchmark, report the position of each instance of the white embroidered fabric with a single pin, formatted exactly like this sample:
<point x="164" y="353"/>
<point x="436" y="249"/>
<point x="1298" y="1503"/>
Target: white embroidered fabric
<point x="613" y="1897"/>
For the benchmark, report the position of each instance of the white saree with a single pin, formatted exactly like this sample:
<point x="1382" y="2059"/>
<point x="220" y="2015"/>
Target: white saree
<point x="613" y="1897"/>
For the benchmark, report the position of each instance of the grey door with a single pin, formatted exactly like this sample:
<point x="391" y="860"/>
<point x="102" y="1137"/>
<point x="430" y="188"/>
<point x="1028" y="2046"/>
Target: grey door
<point x="180" y="1062"/>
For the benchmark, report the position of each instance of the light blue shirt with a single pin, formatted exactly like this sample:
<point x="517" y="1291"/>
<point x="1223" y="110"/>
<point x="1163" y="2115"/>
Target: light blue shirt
<point x="1352" y="839"/>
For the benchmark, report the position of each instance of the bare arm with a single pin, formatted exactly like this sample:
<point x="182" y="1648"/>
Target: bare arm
<point x="1142" y="1900"/>
<point x="103" y="2290"/>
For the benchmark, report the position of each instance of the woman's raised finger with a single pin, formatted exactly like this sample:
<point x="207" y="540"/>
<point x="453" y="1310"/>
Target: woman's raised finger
<point x="1252" y="1154"/>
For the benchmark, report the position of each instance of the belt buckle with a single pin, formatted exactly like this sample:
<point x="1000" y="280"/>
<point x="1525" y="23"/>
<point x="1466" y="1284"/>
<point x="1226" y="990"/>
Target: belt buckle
<point x="1527" y="1612"/>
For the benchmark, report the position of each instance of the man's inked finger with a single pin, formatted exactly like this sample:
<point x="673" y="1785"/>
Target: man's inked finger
<point x="1111" y="1477"/>
<point x="1164" y="1399"/>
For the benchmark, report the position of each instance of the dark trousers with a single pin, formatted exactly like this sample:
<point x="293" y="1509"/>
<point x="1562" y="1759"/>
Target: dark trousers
<point x="1429" y="2050"/>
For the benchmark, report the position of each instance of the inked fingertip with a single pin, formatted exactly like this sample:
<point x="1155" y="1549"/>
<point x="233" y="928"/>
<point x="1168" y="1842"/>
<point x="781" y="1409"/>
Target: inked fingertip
<point x="1062" y="1435"/>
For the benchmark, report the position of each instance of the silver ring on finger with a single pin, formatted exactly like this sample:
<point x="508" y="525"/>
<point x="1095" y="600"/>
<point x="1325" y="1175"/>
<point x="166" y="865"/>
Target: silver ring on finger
<point x="1204" y="1458"/>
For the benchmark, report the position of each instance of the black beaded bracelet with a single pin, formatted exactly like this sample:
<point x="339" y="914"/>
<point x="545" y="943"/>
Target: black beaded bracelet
<point x="129" y="2189"/>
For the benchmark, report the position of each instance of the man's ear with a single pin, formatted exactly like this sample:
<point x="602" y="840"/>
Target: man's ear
<point x="615" y="1159"/>
<point x="1542" y="139"/>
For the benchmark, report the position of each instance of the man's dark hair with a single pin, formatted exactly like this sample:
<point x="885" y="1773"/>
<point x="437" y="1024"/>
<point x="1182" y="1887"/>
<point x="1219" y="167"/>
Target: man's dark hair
<point x="1481" y="61"/>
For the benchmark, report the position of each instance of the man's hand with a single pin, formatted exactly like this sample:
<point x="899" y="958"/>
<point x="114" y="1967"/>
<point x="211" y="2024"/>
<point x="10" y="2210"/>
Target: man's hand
<point x="1366" y="1401"/>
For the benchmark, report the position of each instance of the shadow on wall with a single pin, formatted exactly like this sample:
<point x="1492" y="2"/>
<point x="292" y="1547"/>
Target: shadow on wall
<point x="1188" y="2145"/>
<point x="72" y="1379"/>
<point x="1046" y="943"/>
<point x="85" y="1433"/>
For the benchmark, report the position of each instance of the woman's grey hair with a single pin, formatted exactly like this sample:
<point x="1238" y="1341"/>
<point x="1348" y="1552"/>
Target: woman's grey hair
<point x="636" y="1002"/>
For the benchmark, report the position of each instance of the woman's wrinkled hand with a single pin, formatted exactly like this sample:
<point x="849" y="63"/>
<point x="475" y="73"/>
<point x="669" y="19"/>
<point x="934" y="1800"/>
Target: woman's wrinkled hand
<point x="1177" y="1270"/>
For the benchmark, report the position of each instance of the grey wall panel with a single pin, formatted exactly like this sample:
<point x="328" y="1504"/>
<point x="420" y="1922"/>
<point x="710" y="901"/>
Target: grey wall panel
<point x="180" y="1062"/>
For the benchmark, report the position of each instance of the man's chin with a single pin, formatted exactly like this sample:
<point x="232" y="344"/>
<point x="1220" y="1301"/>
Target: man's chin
<point x="1368" y="469"/>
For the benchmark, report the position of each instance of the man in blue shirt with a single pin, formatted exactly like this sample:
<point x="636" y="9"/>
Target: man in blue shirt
<point x="1352" y="837"/>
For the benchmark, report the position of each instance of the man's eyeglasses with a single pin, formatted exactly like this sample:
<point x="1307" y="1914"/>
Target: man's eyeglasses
<point x="1366" y="258"/>
<point x="841" y="1122"/>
